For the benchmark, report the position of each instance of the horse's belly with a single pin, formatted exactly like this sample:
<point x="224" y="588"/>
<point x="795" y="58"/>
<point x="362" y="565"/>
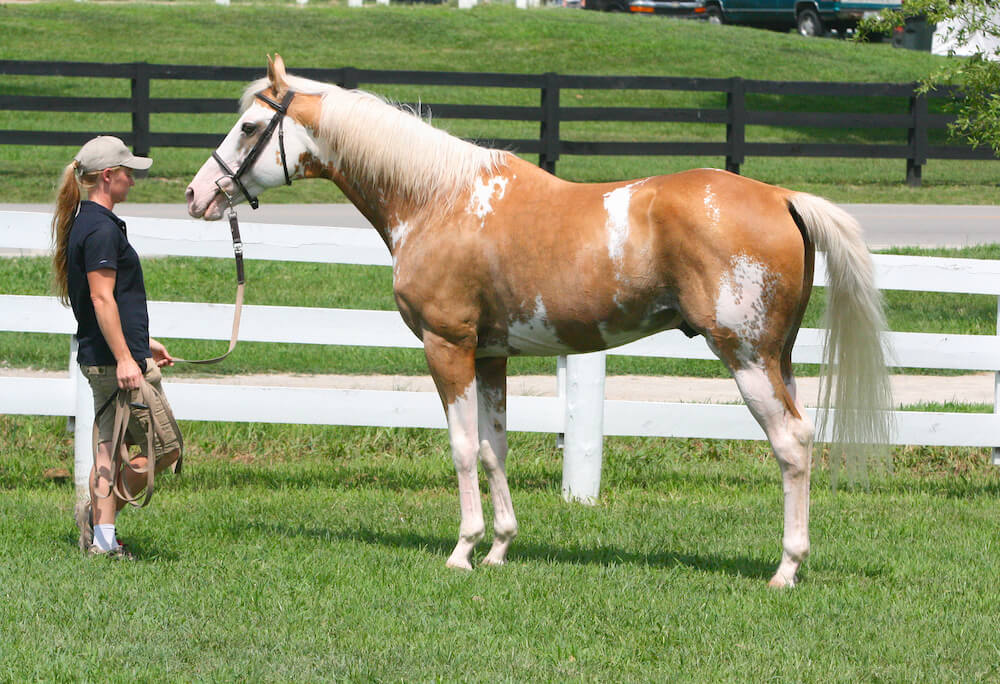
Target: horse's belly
<point x="539" y="337"/>
<point x="534" y="337"/>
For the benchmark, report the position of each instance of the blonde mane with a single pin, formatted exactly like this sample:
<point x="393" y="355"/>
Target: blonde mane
<point x="388" y="147"/>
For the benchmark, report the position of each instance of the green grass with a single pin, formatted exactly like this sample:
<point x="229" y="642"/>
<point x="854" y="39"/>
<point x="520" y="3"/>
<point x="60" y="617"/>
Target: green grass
<point x="370" y="287"/>
<point x="490" y="38"/>
<point x="292" y="553"/>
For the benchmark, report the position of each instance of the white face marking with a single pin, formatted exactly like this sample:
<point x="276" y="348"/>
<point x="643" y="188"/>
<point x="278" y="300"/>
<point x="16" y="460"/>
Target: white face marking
<point x="266" y="172"/>
<point x="741" y="305"/>
<point x="481" y="199"/>
<point x="711" y="205"/>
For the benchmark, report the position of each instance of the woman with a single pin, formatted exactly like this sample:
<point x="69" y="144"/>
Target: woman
<point x="98" y="274"/>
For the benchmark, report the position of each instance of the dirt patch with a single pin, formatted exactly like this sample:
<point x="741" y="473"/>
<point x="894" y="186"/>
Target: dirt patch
<point x="976" y="388"/>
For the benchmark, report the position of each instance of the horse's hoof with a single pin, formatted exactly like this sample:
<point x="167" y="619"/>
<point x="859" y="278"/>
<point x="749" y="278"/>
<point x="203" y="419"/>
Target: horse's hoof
<point x="779" y="582"/>
<point x="496" y="562"/>
<point x="459" y="564"/>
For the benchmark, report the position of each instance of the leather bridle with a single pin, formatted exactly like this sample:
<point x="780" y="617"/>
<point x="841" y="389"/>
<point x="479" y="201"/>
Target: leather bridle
<point x="277" y="121"/>
<point x="280" y="111"/>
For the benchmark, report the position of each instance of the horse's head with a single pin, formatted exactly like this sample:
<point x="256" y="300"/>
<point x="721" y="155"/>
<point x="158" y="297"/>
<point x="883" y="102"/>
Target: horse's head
<point x="261" y="151"/>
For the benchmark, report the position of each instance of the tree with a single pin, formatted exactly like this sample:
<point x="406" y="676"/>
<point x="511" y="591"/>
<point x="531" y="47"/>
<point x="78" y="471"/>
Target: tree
<point x="978" y="75"/>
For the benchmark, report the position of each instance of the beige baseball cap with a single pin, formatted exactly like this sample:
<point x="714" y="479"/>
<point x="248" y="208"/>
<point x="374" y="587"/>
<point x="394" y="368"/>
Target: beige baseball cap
<point x="106" y="151"/>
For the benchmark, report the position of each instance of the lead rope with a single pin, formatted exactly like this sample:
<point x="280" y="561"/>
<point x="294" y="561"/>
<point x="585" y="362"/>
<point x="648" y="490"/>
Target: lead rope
<point x="148" y="399"/>
<point x="120" y="462"/>
<point x="234" y="228"/>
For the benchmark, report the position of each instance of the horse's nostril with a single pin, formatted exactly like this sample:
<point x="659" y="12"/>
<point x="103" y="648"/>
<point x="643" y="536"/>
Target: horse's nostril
<point x="189" y="194"/>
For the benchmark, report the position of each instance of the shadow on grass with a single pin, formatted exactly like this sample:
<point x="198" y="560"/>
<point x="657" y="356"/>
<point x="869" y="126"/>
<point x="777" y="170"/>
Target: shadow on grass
<point x="603" y="556"/>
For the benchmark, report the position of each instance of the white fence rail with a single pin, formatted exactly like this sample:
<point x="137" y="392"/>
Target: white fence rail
<point x="579" y="414"/>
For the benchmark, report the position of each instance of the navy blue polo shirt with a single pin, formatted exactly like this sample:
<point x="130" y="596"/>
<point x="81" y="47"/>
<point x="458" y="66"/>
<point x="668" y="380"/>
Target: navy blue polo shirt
<point x="98" y="240"/>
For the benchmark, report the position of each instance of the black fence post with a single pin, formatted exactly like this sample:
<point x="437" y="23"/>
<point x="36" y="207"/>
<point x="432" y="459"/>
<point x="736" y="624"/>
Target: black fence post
<point x="736" y="128"/>
<point x="917" y="138"/>
<point x="549" y="132"/>
<point x="140" y="109"/>
<point x="349" y="78"/>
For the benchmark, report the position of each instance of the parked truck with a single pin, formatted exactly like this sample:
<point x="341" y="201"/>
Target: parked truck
<point x="810" y="17"/>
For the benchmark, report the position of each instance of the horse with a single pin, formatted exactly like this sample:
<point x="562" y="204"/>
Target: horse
<point x="493" y="257"/>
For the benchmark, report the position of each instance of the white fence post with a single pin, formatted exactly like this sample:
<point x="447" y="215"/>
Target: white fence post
<point x="83" y="425"/>
<point x="996" y="392"/>
<point x="561" y="395"/>
<point x="583" y="452"/>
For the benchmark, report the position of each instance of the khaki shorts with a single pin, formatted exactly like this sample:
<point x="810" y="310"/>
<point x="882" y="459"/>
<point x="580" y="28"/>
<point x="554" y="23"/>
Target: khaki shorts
<point x="104" y="382"/>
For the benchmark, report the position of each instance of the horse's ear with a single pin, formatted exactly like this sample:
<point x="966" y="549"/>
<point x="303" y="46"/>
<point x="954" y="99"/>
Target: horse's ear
<point x="276" y="74"/>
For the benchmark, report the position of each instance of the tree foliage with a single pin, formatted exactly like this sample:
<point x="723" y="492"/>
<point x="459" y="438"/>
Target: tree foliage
<point x="978" y="109"/>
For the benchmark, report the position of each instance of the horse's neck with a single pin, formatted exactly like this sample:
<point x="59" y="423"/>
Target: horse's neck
<point x="367" y="200"/>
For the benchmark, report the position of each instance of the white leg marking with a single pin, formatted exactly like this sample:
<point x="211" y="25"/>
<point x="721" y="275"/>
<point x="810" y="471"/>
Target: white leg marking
<point x="464" y="434"/>
<point x="493" y="456"/>
<point x="791" y="439"/>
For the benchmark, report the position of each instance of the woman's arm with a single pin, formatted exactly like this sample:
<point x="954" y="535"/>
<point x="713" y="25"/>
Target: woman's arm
<point x="102" y="294"/>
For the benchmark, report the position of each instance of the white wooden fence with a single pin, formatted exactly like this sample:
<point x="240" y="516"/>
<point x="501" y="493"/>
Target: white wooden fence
<point x="578" y="412"/>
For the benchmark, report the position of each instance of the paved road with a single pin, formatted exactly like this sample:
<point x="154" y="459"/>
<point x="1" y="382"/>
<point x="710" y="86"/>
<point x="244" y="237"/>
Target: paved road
<point x="886" y="225"/>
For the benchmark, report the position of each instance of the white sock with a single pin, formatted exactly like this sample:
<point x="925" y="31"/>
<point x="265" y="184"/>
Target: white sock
<point x="104" y="537"/>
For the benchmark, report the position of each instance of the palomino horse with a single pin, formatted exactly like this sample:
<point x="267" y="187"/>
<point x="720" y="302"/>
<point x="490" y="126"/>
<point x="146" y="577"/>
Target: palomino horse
<point x="493" y="257"/>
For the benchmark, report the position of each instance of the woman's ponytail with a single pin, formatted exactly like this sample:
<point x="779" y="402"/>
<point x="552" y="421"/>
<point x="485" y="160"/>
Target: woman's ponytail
<point x="67" y="201"/>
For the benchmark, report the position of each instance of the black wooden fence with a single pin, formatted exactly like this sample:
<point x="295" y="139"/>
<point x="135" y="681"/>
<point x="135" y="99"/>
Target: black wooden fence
<point x="917" y="122"/>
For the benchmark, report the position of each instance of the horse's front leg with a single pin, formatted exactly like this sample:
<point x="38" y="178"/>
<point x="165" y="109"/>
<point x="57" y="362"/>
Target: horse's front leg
<point x="454" y="371"/>
<point x="491" y="381"/>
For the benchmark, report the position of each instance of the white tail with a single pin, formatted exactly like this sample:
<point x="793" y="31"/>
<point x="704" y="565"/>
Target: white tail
<point x="855" y="380"/>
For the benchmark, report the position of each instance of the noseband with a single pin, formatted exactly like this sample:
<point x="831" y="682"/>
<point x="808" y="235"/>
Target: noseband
<point x="277" y="121"/>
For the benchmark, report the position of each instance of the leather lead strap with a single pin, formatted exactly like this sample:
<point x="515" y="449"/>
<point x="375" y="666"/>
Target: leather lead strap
<point x="234" y="228"/>
<point x="119" y="462"/>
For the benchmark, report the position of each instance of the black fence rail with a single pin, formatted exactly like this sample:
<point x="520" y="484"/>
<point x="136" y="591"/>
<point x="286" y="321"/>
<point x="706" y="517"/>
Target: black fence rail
<point x="918" y="122"/>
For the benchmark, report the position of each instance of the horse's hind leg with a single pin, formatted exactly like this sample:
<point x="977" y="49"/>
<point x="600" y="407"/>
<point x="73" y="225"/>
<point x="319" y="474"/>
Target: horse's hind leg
<point x="453" y="370"/>
<point x="771" y="399"/>
<point x="491" y="381"/>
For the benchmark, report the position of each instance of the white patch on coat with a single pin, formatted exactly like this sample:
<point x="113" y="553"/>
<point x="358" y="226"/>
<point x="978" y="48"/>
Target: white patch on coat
<point x="397" y="238"/>
<point x="711" y="205"/>
<point x="616" y="204"/>
<point x="398" y="234"/>
<point x="535" y="335"/>
<point x="741" y="305"/>
<point x="483" y="194"/>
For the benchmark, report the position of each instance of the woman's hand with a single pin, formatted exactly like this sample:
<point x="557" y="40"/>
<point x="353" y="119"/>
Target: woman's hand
<point x="160" y="353"/>
<point x="129" y="374"/>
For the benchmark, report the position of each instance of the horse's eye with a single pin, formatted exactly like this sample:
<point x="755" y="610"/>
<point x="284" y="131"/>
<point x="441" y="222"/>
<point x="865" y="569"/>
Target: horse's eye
<point x="249" y="128"/>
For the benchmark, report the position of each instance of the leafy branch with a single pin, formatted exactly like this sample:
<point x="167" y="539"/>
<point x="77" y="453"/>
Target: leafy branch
<point x="966" y="21"/>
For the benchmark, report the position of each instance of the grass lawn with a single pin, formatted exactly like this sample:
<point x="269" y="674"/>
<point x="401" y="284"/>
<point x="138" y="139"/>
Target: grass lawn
<point x="302" y="553"/>
<point x="291" y="553"/>
<point x="493" y="38"/>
